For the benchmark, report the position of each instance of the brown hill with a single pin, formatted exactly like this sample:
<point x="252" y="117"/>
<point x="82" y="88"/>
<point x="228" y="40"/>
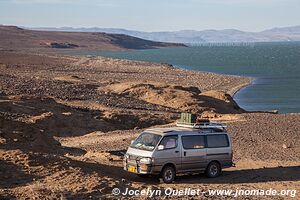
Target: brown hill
<point x="15" y="38"/>
<point x="184" y="99"/>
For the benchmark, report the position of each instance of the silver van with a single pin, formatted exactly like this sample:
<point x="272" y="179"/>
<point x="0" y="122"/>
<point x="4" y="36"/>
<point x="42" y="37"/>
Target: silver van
<point x="170" y="151"/>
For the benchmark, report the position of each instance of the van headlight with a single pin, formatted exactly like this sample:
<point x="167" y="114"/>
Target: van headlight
<point x="146" y="161"/>
<point x="125" y="159"/>
<point x="126" y="156"/>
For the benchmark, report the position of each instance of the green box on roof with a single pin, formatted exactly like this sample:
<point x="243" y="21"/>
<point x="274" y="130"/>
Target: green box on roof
<point x="188" y="118"/>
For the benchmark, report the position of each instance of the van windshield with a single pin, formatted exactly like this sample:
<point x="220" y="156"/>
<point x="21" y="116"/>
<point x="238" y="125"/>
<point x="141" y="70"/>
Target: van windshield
<point x="146" y="141"/>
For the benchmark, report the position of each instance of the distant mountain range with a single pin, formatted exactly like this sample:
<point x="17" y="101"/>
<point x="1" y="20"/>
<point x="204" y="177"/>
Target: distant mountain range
<point x="205" y="36"/>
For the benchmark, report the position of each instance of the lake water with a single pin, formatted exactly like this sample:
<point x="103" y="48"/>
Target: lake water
<point x="276" y="67"/>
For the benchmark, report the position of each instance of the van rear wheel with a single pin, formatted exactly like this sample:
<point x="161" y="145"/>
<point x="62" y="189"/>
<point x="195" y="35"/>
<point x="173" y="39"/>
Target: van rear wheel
<point x="213" y="170"/>
<point x="168" y="174"/>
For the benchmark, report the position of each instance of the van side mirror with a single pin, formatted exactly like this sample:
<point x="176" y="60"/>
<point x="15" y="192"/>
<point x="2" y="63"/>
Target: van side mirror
<point x="160" y="147"/>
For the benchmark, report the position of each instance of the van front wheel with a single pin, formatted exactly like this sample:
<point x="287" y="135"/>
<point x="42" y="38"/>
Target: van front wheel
<point x="168" y="174"/>
<point x="213" y="170"/>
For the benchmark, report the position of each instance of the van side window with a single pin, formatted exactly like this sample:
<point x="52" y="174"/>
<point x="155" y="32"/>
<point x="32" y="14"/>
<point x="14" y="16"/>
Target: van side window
<point x="214" y="141"/>
<point x="169" y="142"/>
<point x="193" y="142"/>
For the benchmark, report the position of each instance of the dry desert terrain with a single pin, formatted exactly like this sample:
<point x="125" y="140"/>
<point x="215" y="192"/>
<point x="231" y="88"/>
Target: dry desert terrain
<point x="66" y="121"/>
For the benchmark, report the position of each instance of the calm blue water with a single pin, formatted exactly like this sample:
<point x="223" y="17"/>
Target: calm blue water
<point x="276" y="67"/>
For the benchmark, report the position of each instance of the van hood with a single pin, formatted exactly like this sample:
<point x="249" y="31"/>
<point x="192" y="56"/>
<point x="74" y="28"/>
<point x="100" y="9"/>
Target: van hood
<point x="139" y="152"/>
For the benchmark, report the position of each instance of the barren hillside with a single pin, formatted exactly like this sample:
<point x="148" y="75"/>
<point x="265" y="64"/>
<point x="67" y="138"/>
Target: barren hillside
<point x="15" y="38"/>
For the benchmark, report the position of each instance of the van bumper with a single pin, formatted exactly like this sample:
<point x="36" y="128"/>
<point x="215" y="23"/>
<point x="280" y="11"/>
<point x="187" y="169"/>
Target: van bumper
<point x="141" y="168"/>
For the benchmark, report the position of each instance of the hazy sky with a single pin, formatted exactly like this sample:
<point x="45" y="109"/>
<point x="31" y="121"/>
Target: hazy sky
<point x="152" y="15"/>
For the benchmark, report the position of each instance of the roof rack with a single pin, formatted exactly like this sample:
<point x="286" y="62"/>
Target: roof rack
<point x="209" y="125"/>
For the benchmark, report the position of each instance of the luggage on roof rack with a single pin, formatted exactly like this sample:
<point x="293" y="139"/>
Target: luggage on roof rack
<point x="189" y="120"/>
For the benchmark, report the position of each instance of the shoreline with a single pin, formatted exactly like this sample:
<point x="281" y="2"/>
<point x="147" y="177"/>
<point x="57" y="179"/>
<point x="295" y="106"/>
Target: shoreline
<point x="263" y="96"/>
<point x="232" y="91"/>
<point x="240" y="87"/>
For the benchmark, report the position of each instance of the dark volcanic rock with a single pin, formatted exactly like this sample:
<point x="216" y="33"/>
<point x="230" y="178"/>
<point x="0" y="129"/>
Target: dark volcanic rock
<point x="62" y="45"/>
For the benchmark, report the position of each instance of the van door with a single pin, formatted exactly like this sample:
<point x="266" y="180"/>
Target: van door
<point x="219" y="148"/>
<point x="193" y="156"/>
<point x="171" y="153"/>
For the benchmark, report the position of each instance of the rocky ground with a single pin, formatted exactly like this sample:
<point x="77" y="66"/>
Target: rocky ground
<point x="66" y="121"/>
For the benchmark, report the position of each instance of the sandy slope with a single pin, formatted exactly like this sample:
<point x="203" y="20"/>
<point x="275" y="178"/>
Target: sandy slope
<point x="65" y="122"/>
